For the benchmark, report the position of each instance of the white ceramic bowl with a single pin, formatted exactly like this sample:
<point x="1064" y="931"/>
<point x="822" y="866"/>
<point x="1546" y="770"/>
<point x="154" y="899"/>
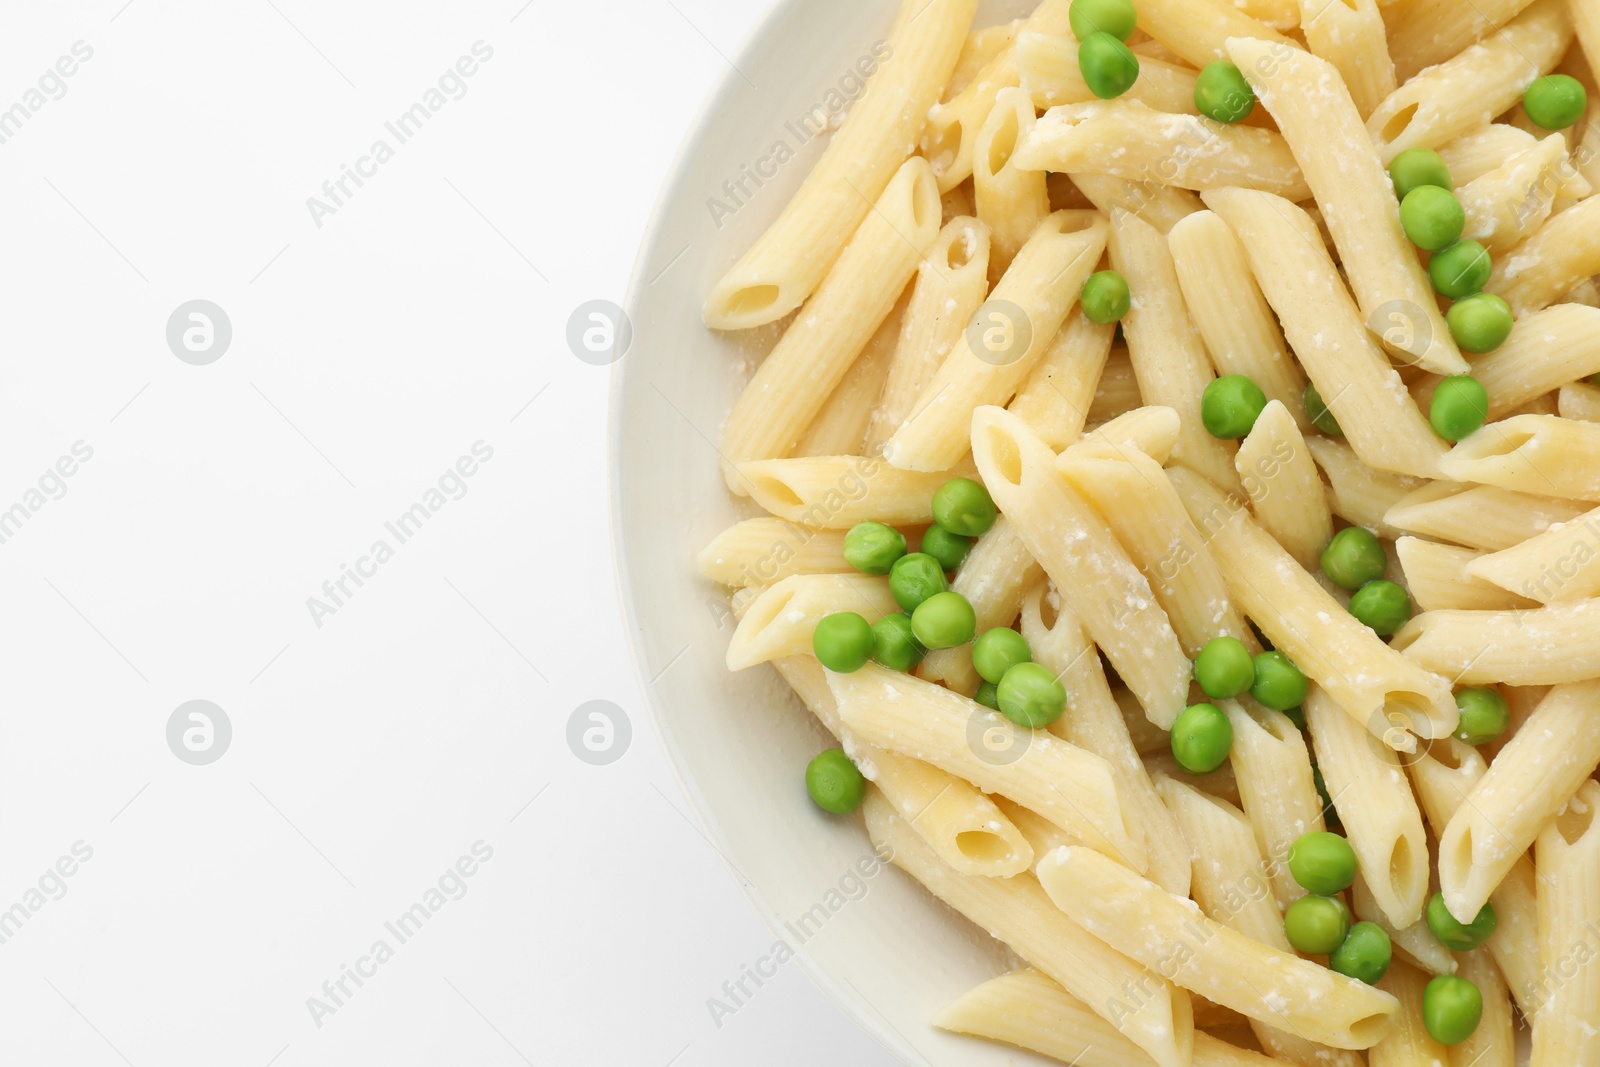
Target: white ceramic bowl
<point x="740" y="742"/>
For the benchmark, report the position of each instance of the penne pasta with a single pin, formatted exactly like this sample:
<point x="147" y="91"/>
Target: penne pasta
<point x="1031" y="1011"/>
<point x="960" y="824"/>
<point x="840" y="428"/>
<point x="1011" y="201"/>
<point x="1085" y="562"/>
<point x="1198" y="30"/>
<point x="1277" y="791"/>
<point x="1058" y="642"/>
<point x="1128" y="139"/>
<point x="1567" y="857"/>
<point x="1351" y="36"/>
<point x="1531" y="454"/>
<point x="1494" y="1042"/>
<point x="1548" y="349"/>
<point x="1073" y="788"/>
<point x="1556" y="643"/>
<point x="1047" y="65"/>
<point x="1553" y="259"/>
<point x="1017" y="911"/>
<point x="1415" y="943"/>
<point x="779" y="621"/>
<point x="1438" y="578"/>
<point x="1479" y="516"/>
<point x="1380" y="420"/>
<point x="980" y="49"/>
<point x="1515" y="946"/>
<point x="1408" y="1043"/>
<point x="1056" y="399"/>
<point x="1227" y="307"/>
<point x="1134" y="497"/>
<point x="1537" y="772"/>
<point x="1557" y="566"/>
<point x="1366" y="678"/>
<point x="1513" y="200"/>
<point x="764" y="551"/>
<point x="949" y="139"/>
<point x="836" y="492"/>
<point x="1169" y="359"/>
<point x="1357" y="493"/>
<point x="792" y="258"/>
<point x="1285" y="491"/>
<point x="951" y="284"/>
<point x="1162" y="206"/>
<point x="1472" y="155"/>
<point x="1431" y="31"/>
<point x="790" y="387"/>
<point x="1162" y="931"/>
<point x="1000" y="347"/>
<point x="1321" y="124"/>
<point x="1374" y="800"/>
<point x="1468" y="90"/>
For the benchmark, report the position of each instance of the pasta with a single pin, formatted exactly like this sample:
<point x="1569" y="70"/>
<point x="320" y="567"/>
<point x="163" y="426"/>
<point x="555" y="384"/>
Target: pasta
<point x="1112" y="493"/>
<point x="1159" y="1020"/>
<point x="1320" y="122"/>
<point x="791" y="259"/>
<point x="1530" y="780"/>
<point x="1169" y="933"/>
<point x="1008" y="336"/>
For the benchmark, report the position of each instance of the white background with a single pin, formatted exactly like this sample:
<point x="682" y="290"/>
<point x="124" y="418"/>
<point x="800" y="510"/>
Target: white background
<point x="427" y="314"/>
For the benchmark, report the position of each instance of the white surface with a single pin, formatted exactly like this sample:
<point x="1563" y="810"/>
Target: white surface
<point x="374" y="751"/>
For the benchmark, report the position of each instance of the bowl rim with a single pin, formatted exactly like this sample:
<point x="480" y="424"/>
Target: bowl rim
<point x="705" y="820"/>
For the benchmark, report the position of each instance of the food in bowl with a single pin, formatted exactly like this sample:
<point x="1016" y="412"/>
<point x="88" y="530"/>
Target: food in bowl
<point x="1179" y="492"/>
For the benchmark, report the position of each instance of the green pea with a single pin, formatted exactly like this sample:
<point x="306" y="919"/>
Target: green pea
<point x="1416" y="167"/>
<point x="1222" y="93"/>
<point x="1279" y="684"/>
<point x="1320" y="414"/>
<point x="1460" y="270"/>
<point x="1105" y="297"/>
<point x="1224" y="668"/>
<point x="843" y="642"/>
<point x="1459" y="408"/>
<point x="963" y="506"/>
<point x="1484" y="715"/>
<point x="1109" y="67"/>
<point x="988" y="695"/>
<point x="1382" y="605"/>
<point x="1480" y="323"/>
<point x="1296" y="716"/>
<point x="1364" y="955"/>
<point x="1029" y="695"/>
<point x="1555" y="101"/>
<point x="1433" y="218"/>
<point x="1201" y="737"/>
<point x="1230" y="406"/>
<point x="1317" y="925"/>
<point x="948" y="548"/>
<point x="914" y="578"/>
<point x="1115" y="17"/>
<point x="1459" y="936"/>
<point x="1353" y="558"/>
<point x="1322" y="862"/>
<point x="894" y="645"/>
<point x="944" y="620"/>
<point x="872" y="547"/>
<point x="834" y="782"/>
<point x="997" y="651"/>
<point x="1451" y="1009"/>
<point x="1330" y="814"/>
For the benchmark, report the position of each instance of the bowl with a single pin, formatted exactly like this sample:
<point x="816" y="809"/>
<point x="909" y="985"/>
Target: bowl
<point x="879" y="946"/>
